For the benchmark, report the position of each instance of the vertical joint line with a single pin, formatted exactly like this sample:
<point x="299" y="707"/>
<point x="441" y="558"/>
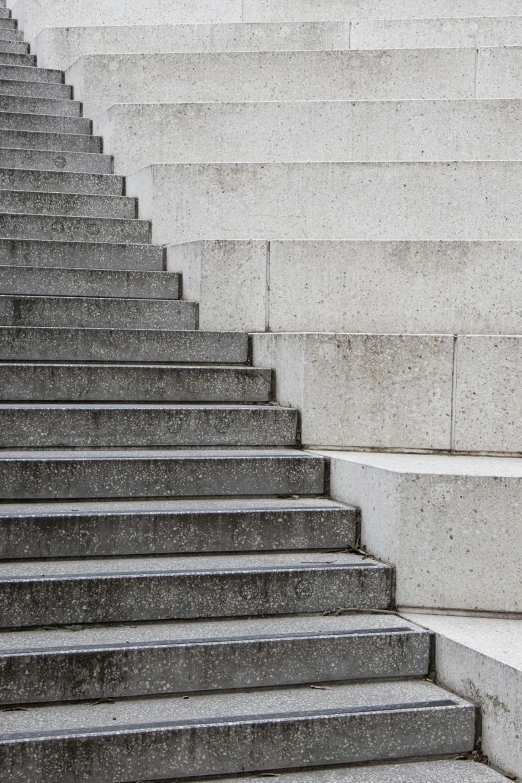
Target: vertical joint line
<point x="267" y="288"/>
<point x="477" y="59"/>
<point x="453" y="394"/>
<point x="350" y="35"/>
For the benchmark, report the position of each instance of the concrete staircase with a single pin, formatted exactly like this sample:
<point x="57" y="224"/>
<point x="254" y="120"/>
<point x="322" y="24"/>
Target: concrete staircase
<point x="178" y="596"/>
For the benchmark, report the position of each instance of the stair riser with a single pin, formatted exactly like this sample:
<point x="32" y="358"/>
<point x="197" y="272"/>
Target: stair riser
<point x="42" y="124"/>
<point x="43" y="75"/>
<point x="73" y="229"/>
<point x="7" y="58"/>
<point x="35" y="89"/>
<point x="9" y="33"/>
<point x="215" y="747"/>
<point x="55" y="161"/>
<point x="184" y="668"/>
<point x="91" y="383"/>
<point x="98" y="535"/>
<point x="115" y="428"/>
<point x="114" y="207"/>
<point x="81" y="255"/>
<point x="90" y="282"/>
<point x="61" y="181"/>
<point x="49" y="141"/>
<point x="183" y="596"/>
<point x="14" y="47"/>
<point x="26" y="344"/>
<point x="93" y="313"/>
<point x="162" y="477"/>
<point x="39" y="105"/>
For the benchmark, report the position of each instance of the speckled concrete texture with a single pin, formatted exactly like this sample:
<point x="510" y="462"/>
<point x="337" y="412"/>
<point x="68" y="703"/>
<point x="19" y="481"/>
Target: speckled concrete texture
<point x="450" y="524"/>
<point x="74" y="229"/>
<point x="99" y="81"/>
<point x="102" y="426"/>
<point x="347" y="723"/>
<point x="363" y="201"/>
<point x="133" y="382"/>
<point x="180" y="657"/>
<point x="118" y="207"/>
<point x="100" y="255"/>
<point x="61" y="182"/>
<point x="138" y="134"/>
<point x="142" y="589"/>
<point x="367" y="390"/>
<point x="89" y="312"/>
<point x="142" y="527"/>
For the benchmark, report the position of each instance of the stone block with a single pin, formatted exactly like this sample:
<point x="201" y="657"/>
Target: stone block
<point x="474" y="31"/>
<point x="63" y="45"/>
<point x="277" y="132"/>
<point x="99" y="81"/>
<point x="432" y="287"/>
<point x="364" y="390"/>
<point x="451" y="525"/>
<point x="488" y="396"/>
<point x="481" y="658"/>
<point x="370" y="201"/>
<point x="498" y="72"/>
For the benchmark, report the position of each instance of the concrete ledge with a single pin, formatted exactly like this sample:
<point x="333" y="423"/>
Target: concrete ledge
<point x="99" y="81"/>
<point x="431" y="287"/>
<point x="274" y="132"/>
<point x="365" y="201"/>
<point x="482" y="659"/>
<point x="451" y="525"/>
<point x="59" y="47"/>
<point x="33" y="15"/>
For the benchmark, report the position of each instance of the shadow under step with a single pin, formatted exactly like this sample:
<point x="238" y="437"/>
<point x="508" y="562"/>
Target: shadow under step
<point x="169" y="657"/>
<point x="145" y="527"/>
<point x="229" y="733"/>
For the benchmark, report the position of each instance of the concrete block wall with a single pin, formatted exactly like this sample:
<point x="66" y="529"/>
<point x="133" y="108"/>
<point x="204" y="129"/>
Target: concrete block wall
<point x="342" y="179"/>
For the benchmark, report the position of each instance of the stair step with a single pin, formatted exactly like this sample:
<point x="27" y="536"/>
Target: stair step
<point x="53" y="475"/>
<point x="145" y="426"/>
<point x="14" y="47"/>
<point x="60" y="181"/>
<point x="5" y="13"/>
<point x="35" y="89"/>
<point x="37" y="203"/>
<point x="5" y="19"/>
<point x="42" y="123"/>
<point x="53" y="106"/>
<point x="95" y="255"/>
<point x="74" y="229"/>
<point x="31" y="74"/>
<point x="96" y="312"/>
<point x="170" y="657"/>
<point x="61" y="592"/>
<point x="226" y="733"/>
<point x="135" y="383"/>
<point x="24" y="280"/>
<point x="9" y="33"/>
<point x="19" y="343"/>
<point x="142" y="527"/>
<point x="446" y="771"/>
<point x="61" y="142"/>
<point x="63" y="161"/>
<point x="13" y="58"/>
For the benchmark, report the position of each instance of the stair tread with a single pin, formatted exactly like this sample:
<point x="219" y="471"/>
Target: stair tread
<point x="176" y="632"/>
<point x="207" y="709"/>
<point x="115" y="567"/>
